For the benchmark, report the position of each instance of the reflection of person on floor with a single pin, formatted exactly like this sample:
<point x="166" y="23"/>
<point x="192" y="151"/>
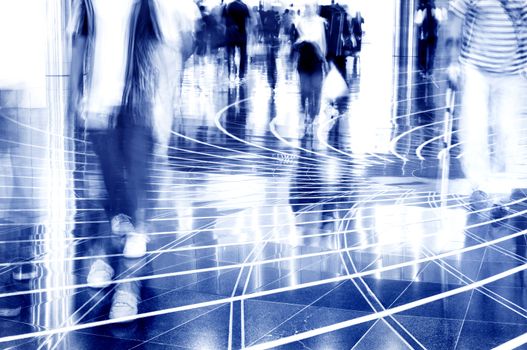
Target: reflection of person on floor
<point x="22" y="107"/>
<point x="311" y="49"/>
<point x="115" y="42"/>
<point x="486" y="48"/>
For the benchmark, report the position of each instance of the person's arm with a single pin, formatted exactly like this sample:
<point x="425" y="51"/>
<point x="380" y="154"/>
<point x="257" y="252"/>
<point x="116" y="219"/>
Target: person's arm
<point x="79" y="32"/>
<point x="458" y="10"/>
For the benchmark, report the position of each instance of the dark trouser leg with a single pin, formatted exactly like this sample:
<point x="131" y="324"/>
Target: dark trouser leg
<point x="432" y="45"/>
<point x="316" y="86"/>
<point x="340" y="64"/>
<point x="421" y="55"/>
<point x="243" y="59"/>
<point x="310" y="91"/>
<point x="106" y="145"/>
<point x="137" y="149"/>
<point x="305" y="91"/>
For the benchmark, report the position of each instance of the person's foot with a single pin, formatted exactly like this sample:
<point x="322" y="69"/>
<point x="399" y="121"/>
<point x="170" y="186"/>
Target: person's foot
<point x="498" y="213"/>
<point x="100" y="275"/>
<point x="10" y="306"/>
<point x="124" y="304"/>
<point x="25" y="272"/>
<point x="135" y="246"/>
<point x="121" y="224"/>
<point x="479" y="200"/>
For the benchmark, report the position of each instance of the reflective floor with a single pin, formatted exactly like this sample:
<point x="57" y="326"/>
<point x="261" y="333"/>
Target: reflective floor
<point x="266" y="233"/>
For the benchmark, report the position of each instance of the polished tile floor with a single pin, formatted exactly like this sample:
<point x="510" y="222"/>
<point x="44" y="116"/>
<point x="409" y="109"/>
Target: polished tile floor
<point x="265" y="235"/>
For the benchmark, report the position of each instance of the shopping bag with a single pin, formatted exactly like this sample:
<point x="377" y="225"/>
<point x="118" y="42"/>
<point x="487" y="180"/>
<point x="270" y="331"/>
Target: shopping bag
<point x="334" y="85"/>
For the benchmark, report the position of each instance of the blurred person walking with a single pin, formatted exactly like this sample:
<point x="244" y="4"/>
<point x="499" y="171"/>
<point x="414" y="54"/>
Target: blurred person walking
<point x="237" y="16"/>
<point x="339" y="43"/>
<point x="427" y="19"/>
<point x="117" y="68"/>
<point x="311" y="49"/>
<point x="357" y="32"/>
<point x="486" y="43"/>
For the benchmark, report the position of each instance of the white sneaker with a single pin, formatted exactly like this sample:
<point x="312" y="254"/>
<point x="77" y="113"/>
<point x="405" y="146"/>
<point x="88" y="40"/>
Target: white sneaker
<point x="124" y="304"/>
<point x="121" y="224"/>
<point x="100" y="275"/>
<point x="135" y="246"/>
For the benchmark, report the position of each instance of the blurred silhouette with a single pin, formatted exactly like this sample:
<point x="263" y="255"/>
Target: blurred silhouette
<point x="271" y="30"/>
<point x="203" y="32"/>
<point x="218" y="37"/>
<point x="121" y="48"/>
<point x="357" y="33"/>
<point x="486" y="45"/>
<point x="427" y="20"/>
<point x="338" y="35"/>
<point x="236" y="16"/>
<point x="287" y="24"/>
<point x="311" y="49"/>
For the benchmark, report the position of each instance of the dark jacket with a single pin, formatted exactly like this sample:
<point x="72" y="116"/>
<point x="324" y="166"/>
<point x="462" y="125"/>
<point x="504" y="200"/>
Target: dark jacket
<point x="338" y="29"/>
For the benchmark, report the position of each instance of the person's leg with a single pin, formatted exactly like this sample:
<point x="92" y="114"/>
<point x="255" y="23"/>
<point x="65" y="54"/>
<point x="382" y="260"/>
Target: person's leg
<point x="106" y="147"/>
<point x="317" y="79"/>
<point x="421" y="55"/>
<point x="474" y="125"/>
<point x="311" y="100"/>
<point x="243" y="59"/>
<point x="138" y="148"/>
<point x="304" y="81"/>
<point x="340" y="64"/>
<point x="507" y="101"/>
<point x="432" y="45"/>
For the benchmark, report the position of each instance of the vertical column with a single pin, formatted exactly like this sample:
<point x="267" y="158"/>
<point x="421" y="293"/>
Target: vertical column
<point x="58" y="222"/>
<point x="403" y="59"/>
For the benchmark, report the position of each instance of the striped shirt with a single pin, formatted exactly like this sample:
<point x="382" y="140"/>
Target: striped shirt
<point x="494" y="39"/>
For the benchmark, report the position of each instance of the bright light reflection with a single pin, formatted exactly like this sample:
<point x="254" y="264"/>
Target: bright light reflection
<point x="414" y="227"/>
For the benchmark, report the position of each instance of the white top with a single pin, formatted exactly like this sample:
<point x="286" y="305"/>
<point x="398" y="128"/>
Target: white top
<point x="312" y="29"/>
<point x="110" y="54"/>
<point x="23" y="49"/>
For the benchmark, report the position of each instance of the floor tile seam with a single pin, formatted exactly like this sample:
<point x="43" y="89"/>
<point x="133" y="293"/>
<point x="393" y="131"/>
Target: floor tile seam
<point x="84" y="332"/>
<point x="469" y="302"/>
<point x="404" y="314"/>
<point x="398" y="265"/>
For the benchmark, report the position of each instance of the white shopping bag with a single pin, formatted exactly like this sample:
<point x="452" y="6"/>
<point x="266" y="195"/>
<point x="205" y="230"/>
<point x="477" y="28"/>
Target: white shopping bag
<point x="334" y="85"/>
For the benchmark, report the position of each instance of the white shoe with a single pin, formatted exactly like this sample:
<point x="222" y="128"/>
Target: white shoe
<point x="124" y="304"/>
<point x="100" y="275"/>
<point x="135" y="246"/>
<point x="121" y="224"/>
